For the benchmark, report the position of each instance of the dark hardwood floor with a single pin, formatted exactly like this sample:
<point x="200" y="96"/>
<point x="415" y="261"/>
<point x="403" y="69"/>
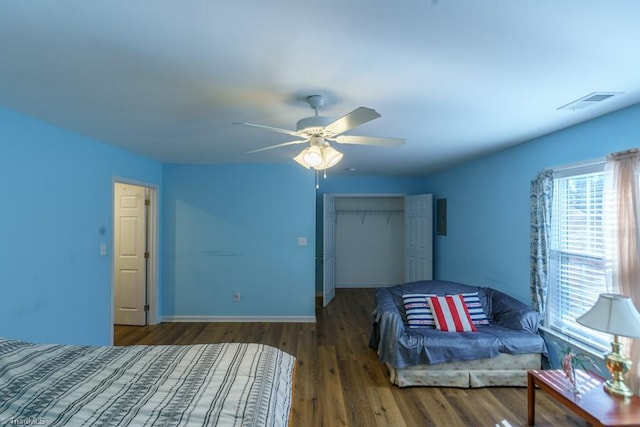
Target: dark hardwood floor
<point x="339" y="381"/>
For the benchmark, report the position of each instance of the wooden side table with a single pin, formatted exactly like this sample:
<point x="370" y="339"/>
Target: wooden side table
<point x="592" y="402"/>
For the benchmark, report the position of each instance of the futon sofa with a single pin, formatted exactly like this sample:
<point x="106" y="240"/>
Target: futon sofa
<point x="504" y="344"/>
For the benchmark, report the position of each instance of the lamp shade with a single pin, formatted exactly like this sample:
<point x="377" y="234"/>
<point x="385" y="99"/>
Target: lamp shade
<point x="300" y="158"/>
<point x="330" y="156"/>
<point x="313" y="157"/>
<point x="614" y="314"/>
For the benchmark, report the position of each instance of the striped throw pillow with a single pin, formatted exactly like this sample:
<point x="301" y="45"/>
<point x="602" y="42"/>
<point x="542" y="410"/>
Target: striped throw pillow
<point x="418" y="311"/>
<point x="450" y="313"/>
<point x="476" y="311"/>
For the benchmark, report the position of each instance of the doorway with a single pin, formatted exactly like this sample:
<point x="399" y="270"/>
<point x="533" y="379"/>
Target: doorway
<point x="375" y="240"/>
<point x="369" y="234"/>
<point x="134" y="254"/>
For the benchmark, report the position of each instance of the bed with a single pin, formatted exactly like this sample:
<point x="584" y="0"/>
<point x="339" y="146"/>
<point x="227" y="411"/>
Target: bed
<point x="504" y="346"/>
<point x="229" y="384"/>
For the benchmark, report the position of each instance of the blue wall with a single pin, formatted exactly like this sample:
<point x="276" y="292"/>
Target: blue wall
<point x="57" y="209"/>
<point x="488" y="201"/>
<point x="234" y="228"/>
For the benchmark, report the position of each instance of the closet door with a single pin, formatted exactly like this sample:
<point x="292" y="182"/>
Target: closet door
<point x="418" y="226"/>
<point x="329" y="249"/>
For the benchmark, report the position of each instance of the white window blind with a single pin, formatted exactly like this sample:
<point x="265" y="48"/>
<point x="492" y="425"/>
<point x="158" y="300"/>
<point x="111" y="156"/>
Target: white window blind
<point x="576" y="270"/>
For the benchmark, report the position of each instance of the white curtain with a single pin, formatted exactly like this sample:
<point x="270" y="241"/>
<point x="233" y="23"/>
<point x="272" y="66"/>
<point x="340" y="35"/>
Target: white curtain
<point x="622" y="239"/>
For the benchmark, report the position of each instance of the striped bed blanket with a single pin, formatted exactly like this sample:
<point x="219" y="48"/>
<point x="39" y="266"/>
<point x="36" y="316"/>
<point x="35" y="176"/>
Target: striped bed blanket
<point x="230" y="384"/>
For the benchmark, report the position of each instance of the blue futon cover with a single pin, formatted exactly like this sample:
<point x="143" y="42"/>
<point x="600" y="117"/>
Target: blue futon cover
<point x="513" y="328"/>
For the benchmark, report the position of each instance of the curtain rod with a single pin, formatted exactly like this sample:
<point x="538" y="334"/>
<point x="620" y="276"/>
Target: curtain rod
<point x="596" y="161"/>
<point x="582" y="164"/>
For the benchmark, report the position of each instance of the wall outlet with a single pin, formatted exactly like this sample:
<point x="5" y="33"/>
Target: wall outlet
<point x="236" y="296"/>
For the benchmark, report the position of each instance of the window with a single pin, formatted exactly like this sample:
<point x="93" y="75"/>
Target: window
<point x="576" y="264"/>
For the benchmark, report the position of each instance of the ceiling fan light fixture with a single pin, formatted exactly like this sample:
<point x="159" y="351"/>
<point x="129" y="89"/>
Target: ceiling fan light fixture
<point x="300" y="159"/>
<point x="313" y="156"/>
<point x="331" y="156"/>
<point x="318" y="157"/>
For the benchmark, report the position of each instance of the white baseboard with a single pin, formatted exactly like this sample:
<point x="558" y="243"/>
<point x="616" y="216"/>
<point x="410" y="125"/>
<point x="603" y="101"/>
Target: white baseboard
<point x="356" y="286"/>
<point x="245" y="319"/>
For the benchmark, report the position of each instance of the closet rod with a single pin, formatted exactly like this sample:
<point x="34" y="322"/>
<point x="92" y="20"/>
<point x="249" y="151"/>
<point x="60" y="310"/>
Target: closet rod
<point x="370" y="210"/>
<point x="362" y="213"/>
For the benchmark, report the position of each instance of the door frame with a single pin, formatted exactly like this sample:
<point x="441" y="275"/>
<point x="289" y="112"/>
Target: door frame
<point x="152" y="241"/>
<point x="328" y="249"/>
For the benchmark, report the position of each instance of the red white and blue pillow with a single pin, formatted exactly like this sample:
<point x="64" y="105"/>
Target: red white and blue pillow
<point x="450" y="313"/>
<point x="419" y="314"/>
<point x="478" y="317"/>
<point x="417" y="310"/>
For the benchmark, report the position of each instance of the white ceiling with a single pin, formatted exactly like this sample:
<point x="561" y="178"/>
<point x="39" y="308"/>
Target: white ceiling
<point x="456" y="79"/>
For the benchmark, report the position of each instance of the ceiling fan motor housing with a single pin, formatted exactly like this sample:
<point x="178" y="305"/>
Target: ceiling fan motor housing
<point x="313" y="126"/>
<point x="317" y="140"/>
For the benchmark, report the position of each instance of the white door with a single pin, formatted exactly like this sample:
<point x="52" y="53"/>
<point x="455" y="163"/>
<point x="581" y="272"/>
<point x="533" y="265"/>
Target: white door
<point x="418" y="238"/>
<point x="130" y="248"/>
<point x="328" y="249"/>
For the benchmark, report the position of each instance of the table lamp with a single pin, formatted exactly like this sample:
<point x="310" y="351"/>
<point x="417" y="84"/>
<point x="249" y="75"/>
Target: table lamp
<point x="616" y="315"/>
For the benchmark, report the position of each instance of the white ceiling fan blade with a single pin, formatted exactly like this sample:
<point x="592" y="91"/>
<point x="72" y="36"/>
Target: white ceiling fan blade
<point x="369" y="140"/>
<point x="280" y="130"/>
<point x="350" y="120"/>
<point x="278" y="145"/>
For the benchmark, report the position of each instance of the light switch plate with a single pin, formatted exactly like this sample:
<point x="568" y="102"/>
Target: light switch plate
<point x="302" y="241"/>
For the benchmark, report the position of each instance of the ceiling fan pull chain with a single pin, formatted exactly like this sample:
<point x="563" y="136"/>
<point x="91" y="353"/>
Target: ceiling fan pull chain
<point x="317" y="184"/>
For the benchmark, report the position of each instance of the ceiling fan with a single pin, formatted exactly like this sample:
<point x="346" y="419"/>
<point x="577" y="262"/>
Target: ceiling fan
<point x="319" y="131"/>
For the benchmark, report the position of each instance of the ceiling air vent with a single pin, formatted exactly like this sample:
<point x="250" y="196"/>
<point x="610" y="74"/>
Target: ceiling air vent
<point x="589" y="100"/>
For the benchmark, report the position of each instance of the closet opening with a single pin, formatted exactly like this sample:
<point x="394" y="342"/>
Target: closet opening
<point x="370" y="241"/>
<point x="369" y="238"/>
